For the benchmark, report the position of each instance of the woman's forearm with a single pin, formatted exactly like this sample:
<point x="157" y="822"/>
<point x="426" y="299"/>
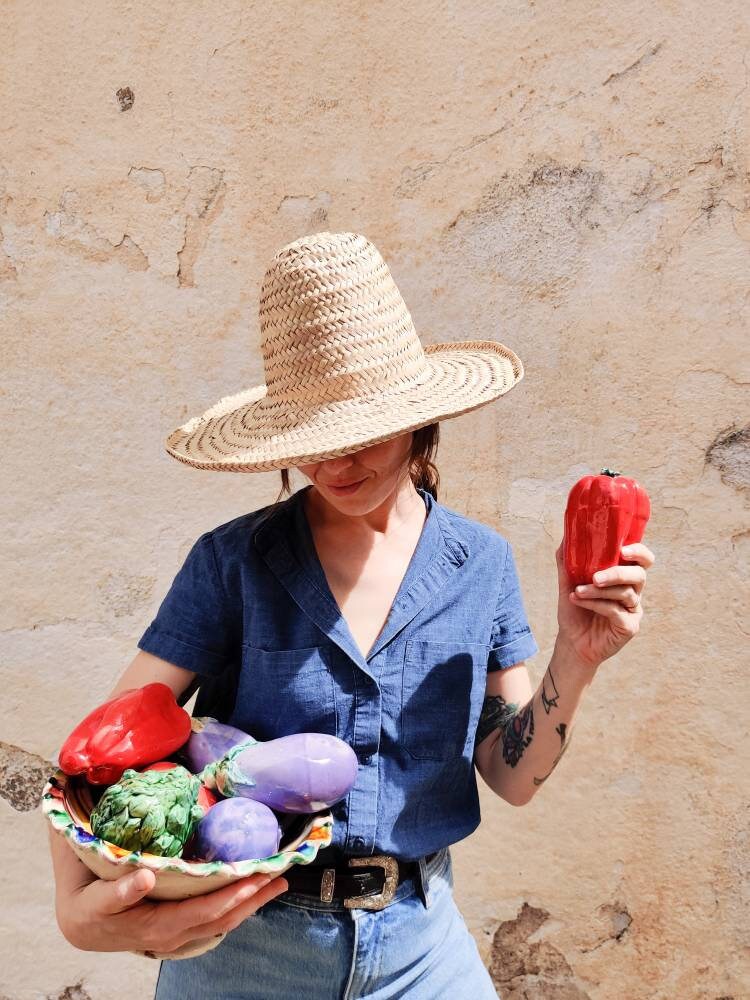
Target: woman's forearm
<point x="530" y="739"/>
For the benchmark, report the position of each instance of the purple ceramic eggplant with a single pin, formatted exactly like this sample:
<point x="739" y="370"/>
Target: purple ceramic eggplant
<point x="236" y="830"/>
<point x="209" y="741"/>
<point x="301" y="773"/>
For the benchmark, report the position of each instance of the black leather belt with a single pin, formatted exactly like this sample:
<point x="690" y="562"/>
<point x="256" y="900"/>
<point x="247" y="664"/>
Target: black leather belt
<point x="371" y="887"/>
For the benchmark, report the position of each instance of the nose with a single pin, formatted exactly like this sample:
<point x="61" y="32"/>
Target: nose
<point x="334" y="466"/>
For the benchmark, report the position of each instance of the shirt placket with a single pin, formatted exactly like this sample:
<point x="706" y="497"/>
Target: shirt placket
<point x="434" y="560"/>
<point x="363" y="798"/>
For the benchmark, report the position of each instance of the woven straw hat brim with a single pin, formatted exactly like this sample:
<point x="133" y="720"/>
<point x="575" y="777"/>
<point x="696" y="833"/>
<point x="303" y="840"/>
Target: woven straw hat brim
<point x="247" y="432"/>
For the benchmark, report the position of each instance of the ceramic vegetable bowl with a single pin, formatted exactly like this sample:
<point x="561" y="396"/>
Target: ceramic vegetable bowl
<point x="67" y="803"/>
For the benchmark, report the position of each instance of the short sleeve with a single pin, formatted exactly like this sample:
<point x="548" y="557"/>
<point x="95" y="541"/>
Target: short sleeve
<point x="195" y="626"/>
<point x="512" y="639"/>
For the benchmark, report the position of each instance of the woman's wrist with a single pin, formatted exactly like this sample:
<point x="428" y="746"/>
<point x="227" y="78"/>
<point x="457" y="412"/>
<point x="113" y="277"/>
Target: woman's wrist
<point x="570" y="663"/>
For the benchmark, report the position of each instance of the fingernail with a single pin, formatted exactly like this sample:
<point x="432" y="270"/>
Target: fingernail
<point x="141" y="880"/>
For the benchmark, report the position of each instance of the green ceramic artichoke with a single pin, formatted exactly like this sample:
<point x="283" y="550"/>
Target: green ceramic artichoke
<point x="151" y="811"/>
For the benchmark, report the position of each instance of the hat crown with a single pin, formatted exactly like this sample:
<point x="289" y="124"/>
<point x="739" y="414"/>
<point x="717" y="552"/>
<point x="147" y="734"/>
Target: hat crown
<point x="333" y="324"/>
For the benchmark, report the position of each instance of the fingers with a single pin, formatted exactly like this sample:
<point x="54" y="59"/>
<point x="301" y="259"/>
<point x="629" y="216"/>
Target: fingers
<point x="640" y="553"/>
<point x="122" y="893"/>
<point x="200" y="910"/>
<point x="247" y="906"/>
<point x="611" y="609"/>
<point x="245" y="903"/>
<point x="627" y="596"/>
<point x="634" y="575"/>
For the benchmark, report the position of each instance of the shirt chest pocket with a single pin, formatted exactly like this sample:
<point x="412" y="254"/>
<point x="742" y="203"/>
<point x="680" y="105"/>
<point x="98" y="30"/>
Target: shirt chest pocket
<point x="442" y="692"/>
<point x="285" y="691"/>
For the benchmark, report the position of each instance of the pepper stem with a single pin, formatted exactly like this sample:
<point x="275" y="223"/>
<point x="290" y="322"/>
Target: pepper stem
<point x="609" y="472"/>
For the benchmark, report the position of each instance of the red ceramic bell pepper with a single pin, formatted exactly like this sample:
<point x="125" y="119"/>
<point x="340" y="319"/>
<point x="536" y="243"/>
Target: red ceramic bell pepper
<point x="603" y="513"/>
<point x="136" y="727"/>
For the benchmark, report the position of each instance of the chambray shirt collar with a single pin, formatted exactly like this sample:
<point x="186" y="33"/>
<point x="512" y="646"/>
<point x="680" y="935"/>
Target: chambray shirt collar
<point x="286" y="544"/>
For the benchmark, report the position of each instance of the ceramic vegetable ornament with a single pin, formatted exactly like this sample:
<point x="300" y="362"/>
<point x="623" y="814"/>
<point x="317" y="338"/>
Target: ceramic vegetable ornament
<point x="236" y="830"/>
<point x="206" y="798"/>
<point x="152" y="811"/>
<point x="301" y="773"/>
<point x="136" y="727"/>
<point x="209" y="741"/>
<point x="603" y="513"/>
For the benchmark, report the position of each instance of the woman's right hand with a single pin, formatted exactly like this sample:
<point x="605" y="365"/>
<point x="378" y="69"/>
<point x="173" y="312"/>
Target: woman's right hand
<point x="98" y="915"/>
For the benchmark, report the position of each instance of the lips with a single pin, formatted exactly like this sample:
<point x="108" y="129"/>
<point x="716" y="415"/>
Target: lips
<point x="346" y="488"/>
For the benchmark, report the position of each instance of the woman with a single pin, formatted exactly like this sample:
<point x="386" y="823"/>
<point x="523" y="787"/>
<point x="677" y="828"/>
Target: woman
<point x="362" y="607"/>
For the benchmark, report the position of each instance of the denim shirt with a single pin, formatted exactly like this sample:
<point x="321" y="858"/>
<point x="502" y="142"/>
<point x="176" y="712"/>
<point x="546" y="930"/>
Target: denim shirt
<point x="250" y="611"/>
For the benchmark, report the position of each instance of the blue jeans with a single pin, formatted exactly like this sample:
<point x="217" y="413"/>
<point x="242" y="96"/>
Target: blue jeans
<point x="298" y="947"/>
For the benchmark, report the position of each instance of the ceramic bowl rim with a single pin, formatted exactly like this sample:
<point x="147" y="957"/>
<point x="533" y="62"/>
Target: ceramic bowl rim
<point x="319" y="834"/>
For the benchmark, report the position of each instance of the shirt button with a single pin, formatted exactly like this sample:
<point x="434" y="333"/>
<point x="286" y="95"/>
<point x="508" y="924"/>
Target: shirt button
<point x="365" y="758"/>
<point x="358" y="843"/>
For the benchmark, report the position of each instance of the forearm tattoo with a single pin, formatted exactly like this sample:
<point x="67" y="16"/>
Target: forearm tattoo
<point x="516" y="728"/>
<point x="560" y="730"/>
<point x="550" y="693"/>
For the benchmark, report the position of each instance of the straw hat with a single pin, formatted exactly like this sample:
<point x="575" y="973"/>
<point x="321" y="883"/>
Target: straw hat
<point x="344" y="366"/>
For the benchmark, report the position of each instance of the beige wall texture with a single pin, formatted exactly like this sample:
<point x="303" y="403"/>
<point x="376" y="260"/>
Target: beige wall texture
<point x="569" y="179"/>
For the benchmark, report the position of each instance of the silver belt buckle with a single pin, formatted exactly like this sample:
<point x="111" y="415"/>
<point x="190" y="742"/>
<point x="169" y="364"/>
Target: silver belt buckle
<point x="381" y="899"/>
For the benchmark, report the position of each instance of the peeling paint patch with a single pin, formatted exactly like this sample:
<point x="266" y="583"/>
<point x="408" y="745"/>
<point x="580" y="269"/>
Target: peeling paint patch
<point x="730" y="453"/>
<point x="621" y="919"/>
<point x="305" y="210"/>
<point x="151" y="180"/>
<point x="125" y="595"/>
<point x="617" y="920"/>
<point x="206" y="189"/>
<point x="521" y="968"/>
<point x="75" y="992"/>
<point x="128" y="253"/>
<point x="22" y="777"/>
<point x="531" y="230"/>
<point x="67" y="226"/>
<point x="125" y="98"/>
<point x="204" y="185"/>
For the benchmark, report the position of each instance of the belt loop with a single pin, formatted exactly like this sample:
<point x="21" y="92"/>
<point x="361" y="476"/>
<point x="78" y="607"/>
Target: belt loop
<point x="424" y="882"/>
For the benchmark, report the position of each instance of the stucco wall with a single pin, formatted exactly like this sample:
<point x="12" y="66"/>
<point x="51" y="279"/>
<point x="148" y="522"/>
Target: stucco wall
<point x="571" y="180"/>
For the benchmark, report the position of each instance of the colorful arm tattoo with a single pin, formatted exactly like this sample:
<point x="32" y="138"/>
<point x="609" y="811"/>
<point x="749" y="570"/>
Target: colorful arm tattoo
<point x="517" y="728"/>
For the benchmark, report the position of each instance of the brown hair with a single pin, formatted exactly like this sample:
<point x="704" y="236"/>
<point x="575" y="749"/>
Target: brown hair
<point x="422" y="469"/>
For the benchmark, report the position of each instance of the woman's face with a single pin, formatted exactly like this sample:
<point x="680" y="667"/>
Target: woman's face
<point x="378" y="469"/>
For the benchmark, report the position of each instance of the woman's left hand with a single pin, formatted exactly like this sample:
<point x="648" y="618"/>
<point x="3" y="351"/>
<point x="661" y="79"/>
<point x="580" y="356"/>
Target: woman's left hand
<point x="600" y="617"/>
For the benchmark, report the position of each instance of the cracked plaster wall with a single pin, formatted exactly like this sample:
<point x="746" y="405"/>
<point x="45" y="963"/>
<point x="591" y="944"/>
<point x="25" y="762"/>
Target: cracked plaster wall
<point x="571" y="181"/>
